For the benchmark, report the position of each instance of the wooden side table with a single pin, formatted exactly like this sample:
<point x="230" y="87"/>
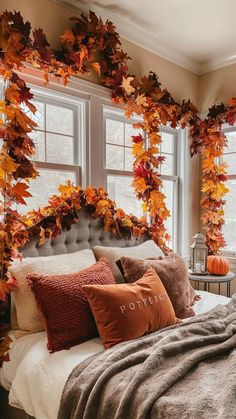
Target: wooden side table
<point x="213" y="279"/>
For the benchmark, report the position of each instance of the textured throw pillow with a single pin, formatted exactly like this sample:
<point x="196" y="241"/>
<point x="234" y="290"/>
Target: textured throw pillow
<point x="64" y="305"/>
<point x="174" y="275"/>
<point x="148" y="249"/>
<point x="127" y="311"/>
<point x="25" y="313"/>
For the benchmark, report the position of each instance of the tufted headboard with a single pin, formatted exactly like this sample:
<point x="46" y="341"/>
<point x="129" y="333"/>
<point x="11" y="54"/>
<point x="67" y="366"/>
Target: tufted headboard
<point x="85" y="234"/>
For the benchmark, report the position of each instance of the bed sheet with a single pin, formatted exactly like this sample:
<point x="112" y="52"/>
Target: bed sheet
<point x="36" y="378"/>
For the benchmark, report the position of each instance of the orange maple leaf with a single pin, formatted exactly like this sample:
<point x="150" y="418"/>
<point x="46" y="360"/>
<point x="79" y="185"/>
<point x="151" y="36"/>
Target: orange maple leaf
<point x="96" y="67"/>
<point x="68" y="38"/>
<point x="7" y="164"/>
<point x="19" y="192"/>
<point x="6" y="287"/>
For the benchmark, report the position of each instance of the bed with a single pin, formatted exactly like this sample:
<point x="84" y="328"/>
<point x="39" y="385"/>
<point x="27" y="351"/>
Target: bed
<point x="32" y="381"/>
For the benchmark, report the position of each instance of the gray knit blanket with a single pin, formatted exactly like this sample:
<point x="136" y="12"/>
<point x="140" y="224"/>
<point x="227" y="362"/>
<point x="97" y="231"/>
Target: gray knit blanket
<point x="183" y="371"/>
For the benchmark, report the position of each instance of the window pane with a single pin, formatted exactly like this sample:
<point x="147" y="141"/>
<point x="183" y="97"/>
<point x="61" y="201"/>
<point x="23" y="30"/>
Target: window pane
<point x="60" y="149"/>
<point x="229" y="228"/>
<point x="38" y="116"/>
<point x="129" y="159"/>
<point x="231" y="142"/>
<point x="129" y="131"/>
<point x="59" y="119"/>
<point x="114" y="132"/>
<point x="230" y="159"/>
<point x="168" y="190"/>
<point x="44" y="186"/>
<point x="39" y="140"/>
<point x="119" y="188"/>
<point x="167" y="145"/>
<point x="167" y="166"/>
<point x="114" y="157"/>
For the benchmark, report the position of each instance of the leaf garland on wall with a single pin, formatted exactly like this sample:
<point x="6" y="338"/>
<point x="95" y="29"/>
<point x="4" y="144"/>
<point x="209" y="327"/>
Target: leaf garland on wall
<point x="90" y="45"/>
<point x="210" y="141"/>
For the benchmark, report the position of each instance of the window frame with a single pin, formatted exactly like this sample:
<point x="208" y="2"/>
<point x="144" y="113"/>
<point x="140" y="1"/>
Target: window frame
<point x="227" y="129"/>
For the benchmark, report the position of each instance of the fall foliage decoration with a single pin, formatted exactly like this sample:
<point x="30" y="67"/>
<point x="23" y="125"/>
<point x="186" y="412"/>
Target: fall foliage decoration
<point x="209" y="139"/>
<point x="63" y="210"/>
<point x="217" y="265"/>
<point x="94" y="45"/>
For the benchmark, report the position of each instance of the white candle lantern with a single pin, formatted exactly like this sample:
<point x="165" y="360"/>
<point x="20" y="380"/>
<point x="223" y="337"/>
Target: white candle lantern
<point x="198" y="255"/>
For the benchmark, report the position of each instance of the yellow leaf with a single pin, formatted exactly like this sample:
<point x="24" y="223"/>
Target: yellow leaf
<point x="66" y="189"/>
<point x="140" y="184"/>
<point x="127" y="223"/>
<point x="141" y="100"/>
<point x="215" y="190"/>
<point x="29" y="222"/>
<point x="127" y="86"/>
<point x="138" y="149"/>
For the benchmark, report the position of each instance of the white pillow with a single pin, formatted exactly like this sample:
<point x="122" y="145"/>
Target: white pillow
<point x="148" y="249"/>
<point x="25" y="314"/>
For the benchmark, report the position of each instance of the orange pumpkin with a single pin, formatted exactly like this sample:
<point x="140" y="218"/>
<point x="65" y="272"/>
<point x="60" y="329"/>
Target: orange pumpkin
<point x="217" y="265"/>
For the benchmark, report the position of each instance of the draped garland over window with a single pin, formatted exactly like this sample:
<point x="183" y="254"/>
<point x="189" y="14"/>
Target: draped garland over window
<point x="94" y="45"/>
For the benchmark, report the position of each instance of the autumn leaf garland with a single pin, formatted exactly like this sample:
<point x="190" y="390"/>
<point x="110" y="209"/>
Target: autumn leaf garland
<point x="90" y="45"/>
<point x="213" y="143"/>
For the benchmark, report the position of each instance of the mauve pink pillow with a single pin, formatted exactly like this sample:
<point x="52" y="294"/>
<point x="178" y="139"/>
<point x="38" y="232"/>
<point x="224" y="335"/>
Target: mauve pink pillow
<point x="173" y="274"/>
<point x="64" y="304"/>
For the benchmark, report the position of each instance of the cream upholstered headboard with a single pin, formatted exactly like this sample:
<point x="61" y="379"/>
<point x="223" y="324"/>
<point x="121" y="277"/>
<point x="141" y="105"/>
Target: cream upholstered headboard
<point x="85" y="234"/>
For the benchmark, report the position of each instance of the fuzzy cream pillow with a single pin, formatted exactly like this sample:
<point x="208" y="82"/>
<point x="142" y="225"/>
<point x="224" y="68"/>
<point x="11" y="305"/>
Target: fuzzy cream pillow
<point x="25" y="313"/>
<point x="146" y="250"/>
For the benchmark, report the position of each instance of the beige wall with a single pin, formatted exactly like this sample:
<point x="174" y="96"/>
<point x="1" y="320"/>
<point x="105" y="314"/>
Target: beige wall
<point x="217" y="86"/>
<point x="181" y="83"/>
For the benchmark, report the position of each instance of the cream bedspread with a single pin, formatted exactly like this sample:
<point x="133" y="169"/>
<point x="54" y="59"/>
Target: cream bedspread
<point x="36" y="378"/>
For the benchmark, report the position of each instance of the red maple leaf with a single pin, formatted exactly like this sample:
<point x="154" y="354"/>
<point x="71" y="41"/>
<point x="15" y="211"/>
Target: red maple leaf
<point x="41" y="44"/>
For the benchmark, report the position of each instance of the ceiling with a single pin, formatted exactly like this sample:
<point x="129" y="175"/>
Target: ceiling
<point x="199" y="35"/>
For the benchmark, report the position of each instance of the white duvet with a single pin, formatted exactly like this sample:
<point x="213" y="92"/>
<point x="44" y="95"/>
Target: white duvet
<point x="36" y="378"/>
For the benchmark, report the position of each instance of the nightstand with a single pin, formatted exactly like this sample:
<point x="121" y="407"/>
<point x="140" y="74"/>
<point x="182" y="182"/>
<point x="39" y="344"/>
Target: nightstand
<point x="213" y="279"/>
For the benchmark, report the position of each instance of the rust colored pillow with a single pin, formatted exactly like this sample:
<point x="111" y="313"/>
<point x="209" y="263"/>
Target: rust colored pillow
<point x="172" y="272"/>
<point x="127" y="311"/>
<point x="64" y="305"/>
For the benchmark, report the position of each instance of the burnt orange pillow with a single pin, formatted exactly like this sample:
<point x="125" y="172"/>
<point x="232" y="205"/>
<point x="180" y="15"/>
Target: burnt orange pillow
<point x="127" y="311"/>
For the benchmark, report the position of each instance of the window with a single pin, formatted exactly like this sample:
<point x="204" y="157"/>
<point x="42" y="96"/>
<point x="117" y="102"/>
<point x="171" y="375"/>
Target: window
<point x="229" y="228"/>
<point x="57" y="141"/>
<point x="169" y="175"/>
<point x="118" y="162"/>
